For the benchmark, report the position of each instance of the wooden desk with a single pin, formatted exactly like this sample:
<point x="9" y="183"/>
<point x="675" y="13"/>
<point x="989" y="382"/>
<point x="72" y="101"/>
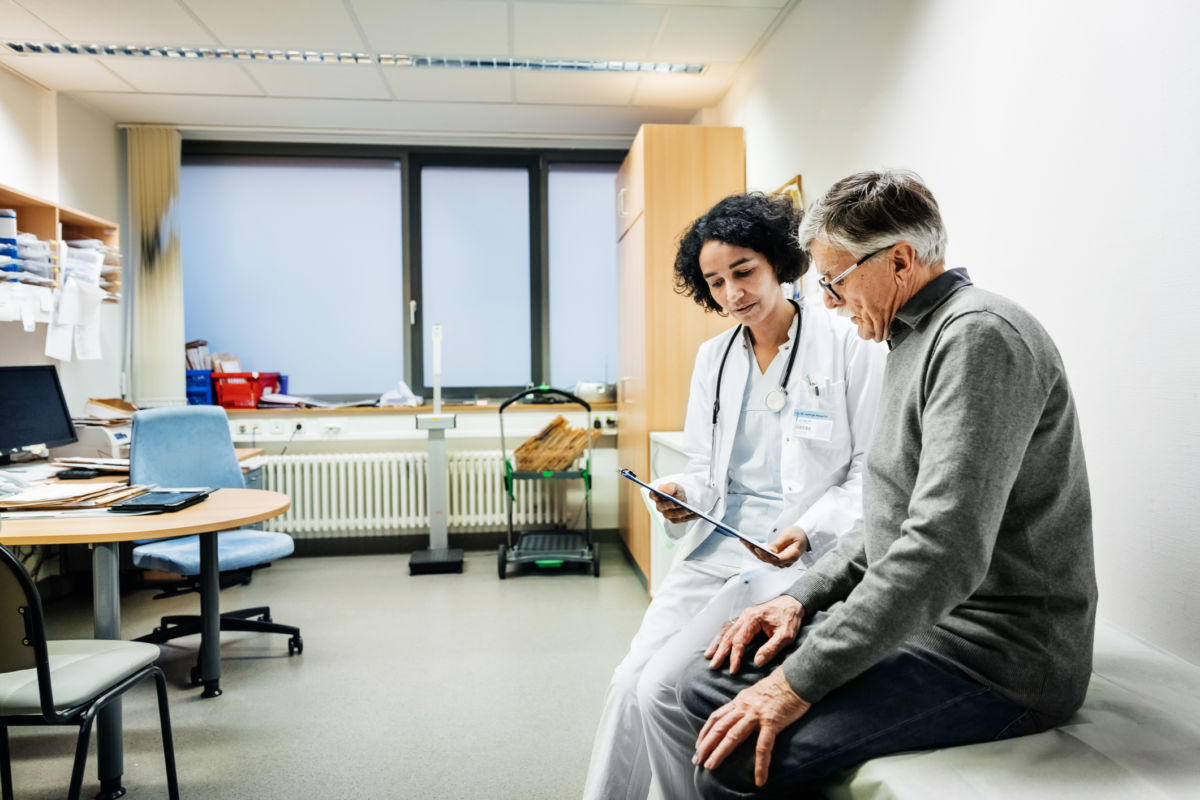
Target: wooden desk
<point x="223" y="510"/>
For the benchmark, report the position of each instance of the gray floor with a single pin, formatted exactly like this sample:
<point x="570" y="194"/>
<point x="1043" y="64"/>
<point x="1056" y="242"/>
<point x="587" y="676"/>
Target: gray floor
<point x="436" y="686"/>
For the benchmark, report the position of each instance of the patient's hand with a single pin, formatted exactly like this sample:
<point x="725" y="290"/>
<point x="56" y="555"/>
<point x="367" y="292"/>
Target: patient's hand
<point x="791" y="544"/>
<point x="779" y="620"/>
<point x="672" y="512"/>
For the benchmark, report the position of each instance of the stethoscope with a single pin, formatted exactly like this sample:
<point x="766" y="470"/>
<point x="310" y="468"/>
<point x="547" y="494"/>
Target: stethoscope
<point x="775" y="400"/>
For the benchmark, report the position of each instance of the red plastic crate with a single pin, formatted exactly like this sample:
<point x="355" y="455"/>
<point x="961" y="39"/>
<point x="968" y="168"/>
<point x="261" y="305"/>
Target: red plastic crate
<point x="243" y="389"/>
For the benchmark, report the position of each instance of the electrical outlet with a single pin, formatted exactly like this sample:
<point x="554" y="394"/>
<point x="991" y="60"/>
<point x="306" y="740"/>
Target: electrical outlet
<point x="278" y="428"/>
<point x="331" y="427"/>
<point x="242" y="429"/>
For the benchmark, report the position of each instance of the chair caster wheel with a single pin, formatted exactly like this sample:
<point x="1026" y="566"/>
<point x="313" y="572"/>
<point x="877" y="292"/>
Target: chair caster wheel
<point x="295" y="646"/>
<point x="195" y="676"/>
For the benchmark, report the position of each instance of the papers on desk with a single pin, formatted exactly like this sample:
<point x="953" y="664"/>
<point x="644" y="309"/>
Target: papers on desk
<point x="102" y="464"/>
<point x="113" y="408"/>
<point x="67" y="513"/>
<point x="32" y="473"/>
<point x="57" y="493"/>
<point x="63" y="496"/>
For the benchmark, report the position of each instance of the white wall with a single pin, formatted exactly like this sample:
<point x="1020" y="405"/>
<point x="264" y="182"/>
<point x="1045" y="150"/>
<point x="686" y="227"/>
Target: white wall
<point x="61" y="151"/>
<point x="1060" y="139"/>
<point x="28" y="133"/>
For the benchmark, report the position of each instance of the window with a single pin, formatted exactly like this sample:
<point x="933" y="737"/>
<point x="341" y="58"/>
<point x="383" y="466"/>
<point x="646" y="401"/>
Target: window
<point x="583" y="273"/>
<point x="331" y="263"/>
<point x="295" y="266"/>
<point x="475" y="274"/>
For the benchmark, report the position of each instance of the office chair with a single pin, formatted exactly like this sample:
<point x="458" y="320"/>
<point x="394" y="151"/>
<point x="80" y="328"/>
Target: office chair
<point x="190" y="446"/>
<point x="64" y="682"/>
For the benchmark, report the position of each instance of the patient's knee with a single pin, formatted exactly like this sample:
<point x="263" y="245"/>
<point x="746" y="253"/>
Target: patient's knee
<point x="699" y="692"/>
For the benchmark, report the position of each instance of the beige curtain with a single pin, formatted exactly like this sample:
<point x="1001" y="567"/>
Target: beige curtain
<point x="157" y="358"/>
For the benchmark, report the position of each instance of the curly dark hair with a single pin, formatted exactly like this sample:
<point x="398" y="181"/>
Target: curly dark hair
<point x="763" y="223"/>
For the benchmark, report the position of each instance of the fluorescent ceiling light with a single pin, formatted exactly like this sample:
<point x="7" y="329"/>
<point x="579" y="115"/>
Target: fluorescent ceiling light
<point x="330" y="57"/>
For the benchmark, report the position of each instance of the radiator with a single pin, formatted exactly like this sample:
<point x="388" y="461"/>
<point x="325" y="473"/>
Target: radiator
<point x="379" y="494"/>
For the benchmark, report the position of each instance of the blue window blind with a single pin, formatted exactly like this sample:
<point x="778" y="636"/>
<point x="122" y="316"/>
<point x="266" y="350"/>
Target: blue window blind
<point x="583" y="273"/>
<point x="475" y="274"/>
<point x="295" y="266"/>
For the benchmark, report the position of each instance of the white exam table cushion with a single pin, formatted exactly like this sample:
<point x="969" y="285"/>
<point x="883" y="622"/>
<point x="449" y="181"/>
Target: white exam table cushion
<point x="1136" y="736"/>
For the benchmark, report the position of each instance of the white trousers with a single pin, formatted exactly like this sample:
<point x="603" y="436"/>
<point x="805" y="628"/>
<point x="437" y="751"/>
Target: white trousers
<point x="641" y="729"/>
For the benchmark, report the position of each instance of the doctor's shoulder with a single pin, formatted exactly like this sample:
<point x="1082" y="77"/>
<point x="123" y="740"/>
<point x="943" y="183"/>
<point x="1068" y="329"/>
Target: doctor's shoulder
<point x="713" y="347"/>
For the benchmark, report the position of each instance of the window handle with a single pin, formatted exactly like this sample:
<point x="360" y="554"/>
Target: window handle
<point x="412" y="312"/>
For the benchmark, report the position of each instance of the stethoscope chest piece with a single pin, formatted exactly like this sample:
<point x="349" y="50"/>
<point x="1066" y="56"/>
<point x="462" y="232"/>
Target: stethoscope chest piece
<point x="775" y="400"/>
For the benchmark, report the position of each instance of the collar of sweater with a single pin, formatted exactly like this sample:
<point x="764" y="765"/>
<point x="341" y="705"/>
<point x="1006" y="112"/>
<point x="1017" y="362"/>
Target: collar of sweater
<point x="924" y="302"/>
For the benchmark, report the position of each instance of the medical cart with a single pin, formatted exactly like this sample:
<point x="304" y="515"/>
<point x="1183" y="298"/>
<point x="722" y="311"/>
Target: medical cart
<point x="550" y="548"/>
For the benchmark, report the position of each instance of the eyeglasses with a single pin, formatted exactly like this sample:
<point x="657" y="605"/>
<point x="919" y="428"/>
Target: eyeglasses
<point x="828" y="285"/>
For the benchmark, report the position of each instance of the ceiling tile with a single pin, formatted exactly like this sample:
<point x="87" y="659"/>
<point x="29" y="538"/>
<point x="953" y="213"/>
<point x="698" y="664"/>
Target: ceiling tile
<point x="450" y="27"/>
<point x="121" y="21"/>
<point x="160" y="76"/>
<point x="612" y="89"/>
<point x="280" y="24"/>
<point x="711" y="34"/>
<point x="20" y="24"/>
<point x="359" y="81"/>
<point x="450" y="122"/>
<point x="449" y="85"/>
<point x="67" y="73"/>
<point x="568" y="30"/>
<point x="729" y="3"/>
<point x="686" y="91"/>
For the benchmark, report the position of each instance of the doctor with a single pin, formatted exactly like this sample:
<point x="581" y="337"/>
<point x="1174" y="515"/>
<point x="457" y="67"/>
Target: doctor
<point x="781" y="411"/>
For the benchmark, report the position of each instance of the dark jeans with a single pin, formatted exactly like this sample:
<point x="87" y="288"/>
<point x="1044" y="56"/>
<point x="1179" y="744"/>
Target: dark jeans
<point x="909" y="701"/>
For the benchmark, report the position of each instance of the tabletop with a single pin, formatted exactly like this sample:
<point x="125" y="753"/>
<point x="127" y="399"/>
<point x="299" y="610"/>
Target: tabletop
<point x="224" y="509"/>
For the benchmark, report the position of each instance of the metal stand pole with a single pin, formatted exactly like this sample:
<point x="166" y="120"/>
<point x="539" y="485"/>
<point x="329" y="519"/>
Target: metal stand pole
<point x="439" y="557"/>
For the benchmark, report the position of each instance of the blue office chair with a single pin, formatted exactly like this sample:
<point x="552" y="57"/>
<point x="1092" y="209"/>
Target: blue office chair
<point x="190" y="446"/>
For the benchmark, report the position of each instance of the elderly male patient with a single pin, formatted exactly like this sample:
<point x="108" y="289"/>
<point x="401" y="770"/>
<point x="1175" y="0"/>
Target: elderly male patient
<point x="963" y="608"/>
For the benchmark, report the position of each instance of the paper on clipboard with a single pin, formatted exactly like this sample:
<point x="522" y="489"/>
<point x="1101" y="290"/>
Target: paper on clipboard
<point x="720" y="527"/>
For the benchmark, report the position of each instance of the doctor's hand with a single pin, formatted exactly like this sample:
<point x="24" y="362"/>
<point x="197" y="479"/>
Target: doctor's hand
<point x="779" y="619"/>
<point x="768" y="707"/>
<point x="791" y="544"/>
<point x="672" y="512"/>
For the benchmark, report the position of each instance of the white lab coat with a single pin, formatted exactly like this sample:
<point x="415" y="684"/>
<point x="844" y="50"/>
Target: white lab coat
<point x="822" y="492"/>
<point x="822" y="479"/>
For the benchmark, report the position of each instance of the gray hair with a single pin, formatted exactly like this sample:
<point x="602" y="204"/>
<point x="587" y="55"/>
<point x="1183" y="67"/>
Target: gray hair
<point x="871" y="210"/>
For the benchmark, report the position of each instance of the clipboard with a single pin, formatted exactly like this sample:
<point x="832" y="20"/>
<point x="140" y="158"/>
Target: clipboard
<point x="161" y="500"/>
<point x="719" y="526"/>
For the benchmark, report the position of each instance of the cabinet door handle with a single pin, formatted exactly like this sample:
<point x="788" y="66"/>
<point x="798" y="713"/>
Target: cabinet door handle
<point x="412" y="312"/>
<point x="621" y="202"/>
<point x="624" y="391"/>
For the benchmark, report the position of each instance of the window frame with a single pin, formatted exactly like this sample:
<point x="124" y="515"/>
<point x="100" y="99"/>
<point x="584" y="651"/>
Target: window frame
<point x="412" y="158"/>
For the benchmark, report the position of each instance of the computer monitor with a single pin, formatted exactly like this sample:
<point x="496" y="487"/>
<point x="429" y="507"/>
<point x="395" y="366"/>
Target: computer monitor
<point x="32" y="410"/>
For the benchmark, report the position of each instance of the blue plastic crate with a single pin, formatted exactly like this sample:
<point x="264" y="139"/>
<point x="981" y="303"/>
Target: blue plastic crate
<point x="199" y="387"/>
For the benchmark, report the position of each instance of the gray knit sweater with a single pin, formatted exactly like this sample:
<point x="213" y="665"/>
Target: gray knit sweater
<point x="976" y="542"/>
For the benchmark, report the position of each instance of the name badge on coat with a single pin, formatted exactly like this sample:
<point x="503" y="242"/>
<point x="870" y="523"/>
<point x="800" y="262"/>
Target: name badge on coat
<point x="808" y="424"/>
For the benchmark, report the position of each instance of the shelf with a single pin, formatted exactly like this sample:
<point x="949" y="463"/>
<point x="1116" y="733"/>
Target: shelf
<point x="548" y="474"/>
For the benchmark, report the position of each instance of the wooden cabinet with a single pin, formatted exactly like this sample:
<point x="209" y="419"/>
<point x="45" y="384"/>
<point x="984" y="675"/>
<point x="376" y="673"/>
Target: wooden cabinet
<point x="673" y="174"/>
<point x="51" y="222"/>
<point x="42" y="219"/>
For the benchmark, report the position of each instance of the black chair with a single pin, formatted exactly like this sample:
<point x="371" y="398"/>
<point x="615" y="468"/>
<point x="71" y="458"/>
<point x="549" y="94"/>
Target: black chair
<point x="64" y="682"/>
